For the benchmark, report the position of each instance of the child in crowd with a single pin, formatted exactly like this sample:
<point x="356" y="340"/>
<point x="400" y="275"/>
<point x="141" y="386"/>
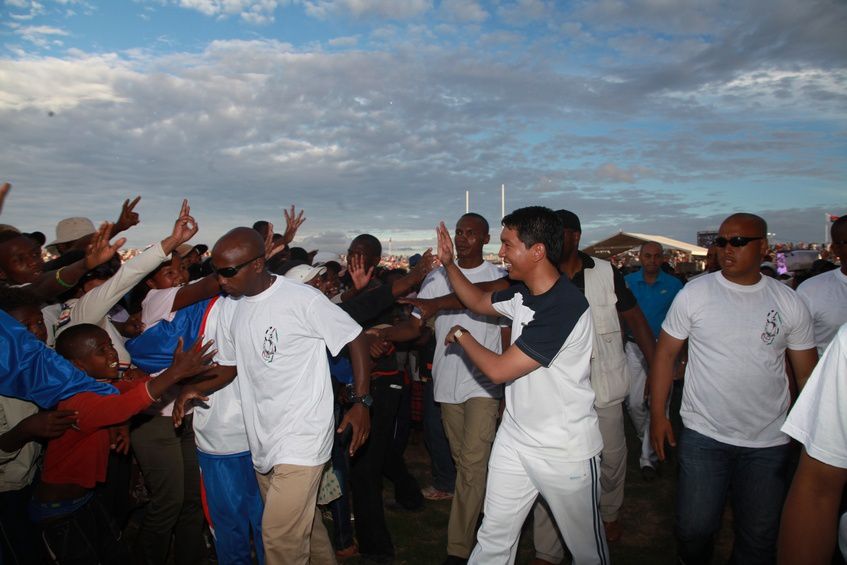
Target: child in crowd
<point x="22" y="427"/>
<point x="75" y="526"/>
<point x="170" y="310"/>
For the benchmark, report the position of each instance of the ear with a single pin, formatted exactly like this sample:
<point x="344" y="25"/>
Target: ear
<point x="538" y="252"/>
<point x="79" y="365"/>
<point x="486" y="239"/>
<point x="149" y="282"/>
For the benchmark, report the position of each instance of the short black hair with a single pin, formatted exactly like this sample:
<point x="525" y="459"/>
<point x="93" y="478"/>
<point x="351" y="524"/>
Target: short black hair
<point x="370" y="242"/>
<point x="69" y="344"/>
<point x="538" y="224"/>
<point x="479" y="217"/>
<point x="570" y="221"/>
<point x="298" y="254"/>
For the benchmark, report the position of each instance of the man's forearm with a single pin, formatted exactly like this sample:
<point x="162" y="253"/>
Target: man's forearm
<point x="660" y="379"/>
<point x="214" y="379"/>
<point x="472" y="297"/>
<point x="360" y="360"/>
<point x="404" y="331"/>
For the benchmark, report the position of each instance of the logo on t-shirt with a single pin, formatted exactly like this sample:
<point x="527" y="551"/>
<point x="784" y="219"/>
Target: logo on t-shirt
<point x="269" y="344"/>
<point x="772" y="324"/>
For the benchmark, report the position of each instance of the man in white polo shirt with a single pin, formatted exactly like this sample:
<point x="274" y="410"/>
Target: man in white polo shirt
<point x="739" y="327"/>
<point x="279" y="335"/>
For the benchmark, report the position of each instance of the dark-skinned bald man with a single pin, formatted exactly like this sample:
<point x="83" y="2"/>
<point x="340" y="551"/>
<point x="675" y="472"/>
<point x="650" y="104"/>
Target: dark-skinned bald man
<point x="277" y="341"/>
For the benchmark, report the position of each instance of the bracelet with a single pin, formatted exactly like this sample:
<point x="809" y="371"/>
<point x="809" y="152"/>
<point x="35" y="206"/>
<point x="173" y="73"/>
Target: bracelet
<point x="60" y="281"/>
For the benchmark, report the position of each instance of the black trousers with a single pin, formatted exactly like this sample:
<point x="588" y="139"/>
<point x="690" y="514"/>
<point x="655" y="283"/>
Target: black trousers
<point x="367" y="467"/>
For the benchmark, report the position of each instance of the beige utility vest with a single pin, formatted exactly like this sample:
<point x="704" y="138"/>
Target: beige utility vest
<point x="609" y="374"/>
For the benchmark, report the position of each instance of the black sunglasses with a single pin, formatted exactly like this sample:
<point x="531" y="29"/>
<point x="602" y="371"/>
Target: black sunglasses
<point x="737" y="241"/>
<point x="229" y="272"/>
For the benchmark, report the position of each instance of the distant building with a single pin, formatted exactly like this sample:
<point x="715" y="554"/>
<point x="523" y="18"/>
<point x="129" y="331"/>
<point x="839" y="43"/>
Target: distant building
<point x="706" y="238"/>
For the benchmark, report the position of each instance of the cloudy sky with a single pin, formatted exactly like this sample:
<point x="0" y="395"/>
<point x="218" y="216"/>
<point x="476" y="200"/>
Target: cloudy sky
<point x="658" y="116"/>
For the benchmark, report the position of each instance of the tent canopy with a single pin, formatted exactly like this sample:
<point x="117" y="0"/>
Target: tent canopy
<point x="624" y="241"/>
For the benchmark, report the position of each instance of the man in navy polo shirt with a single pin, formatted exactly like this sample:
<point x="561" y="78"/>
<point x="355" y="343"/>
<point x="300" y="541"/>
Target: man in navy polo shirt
<point x="655" y="290"/>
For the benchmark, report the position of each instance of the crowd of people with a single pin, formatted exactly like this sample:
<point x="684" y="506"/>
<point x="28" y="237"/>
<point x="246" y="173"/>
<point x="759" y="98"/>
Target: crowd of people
<point x="251" y="384"/>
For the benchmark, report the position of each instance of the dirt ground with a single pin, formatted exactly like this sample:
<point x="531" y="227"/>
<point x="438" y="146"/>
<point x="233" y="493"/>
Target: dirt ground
<point x="647" y="517"/>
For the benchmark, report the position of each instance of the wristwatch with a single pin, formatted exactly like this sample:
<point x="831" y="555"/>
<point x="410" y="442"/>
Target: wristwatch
<point x="366" y="400"/>
<point x="458" y="333"/>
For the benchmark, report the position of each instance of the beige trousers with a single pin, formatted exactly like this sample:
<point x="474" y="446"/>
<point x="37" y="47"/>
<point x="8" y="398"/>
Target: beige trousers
<point x="292" y="529"/>
<point x="470" y="428"/>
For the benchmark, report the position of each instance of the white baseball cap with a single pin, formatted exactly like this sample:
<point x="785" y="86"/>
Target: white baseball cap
<point x="304" y="273"/>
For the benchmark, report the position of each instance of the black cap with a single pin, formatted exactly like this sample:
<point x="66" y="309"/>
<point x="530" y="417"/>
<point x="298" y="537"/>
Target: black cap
<point x="37" y="237"/>
<point x="570" y="221"/>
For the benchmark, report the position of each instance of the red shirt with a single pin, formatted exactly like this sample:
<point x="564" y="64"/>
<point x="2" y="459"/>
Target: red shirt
<point x="80" y="456"/>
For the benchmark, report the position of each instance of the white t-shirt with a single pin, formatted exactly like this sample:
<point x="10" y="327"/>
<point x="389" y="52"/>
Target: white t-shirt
<point x="278" y="340"/>
<point x="819" y="417"/>
<point x="825" y="296"/>
<point x="157" y="306"/>
<point x="736" y="388"/>
<point x="550" y="411"/>
<point x="455" y="377"/>
<point x="219" y="422"/>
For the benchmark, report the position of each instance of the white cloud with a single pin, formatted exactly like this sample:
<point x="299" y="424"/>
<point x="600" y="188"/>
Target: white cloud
<point x="391" y="9"/>
<point x="463" y="10"/>
<point x="348" y="41"/>
<point x="251" y="11"/>
<point x="40" y="36"/>
<point x="392" y="134"/>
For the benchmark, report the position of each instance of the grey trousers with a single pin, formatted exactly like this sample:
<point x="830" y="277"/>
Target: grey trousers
<point x="168" y="461"/>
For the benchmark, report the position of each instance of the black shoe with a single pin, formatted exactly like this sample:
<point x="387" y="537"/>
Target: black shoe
<point x="453" y="560"/>
<point x="649" y="474"/>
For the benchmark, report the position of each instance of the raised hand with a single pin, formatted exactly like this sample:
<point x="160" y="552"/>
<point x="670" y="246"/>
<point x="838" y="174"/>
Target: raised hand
<point x="193" y="360"/>
<point x="270" y="248"/>
<point x="4" y="190"/>
<point x="445" y="245"/>
<point x="358" y="274"/>
<point x="426" y="263"/>
<point x="293" y="221"/>
<point x="185" y="227"/>
<point x="99" y="250"/>
<point x="129" y="217"/>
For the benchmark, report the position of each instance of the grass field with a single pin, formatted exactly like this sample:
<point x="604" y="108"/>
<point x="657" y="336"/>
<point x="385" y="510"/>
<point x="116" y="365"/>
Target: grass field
<point x="420" y="538"/>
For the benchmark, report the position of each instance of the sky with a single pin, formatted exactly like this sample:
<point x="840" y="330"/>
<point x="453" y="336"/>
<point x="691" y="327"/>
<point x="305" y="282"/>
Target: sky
<point x="652" y="116"/>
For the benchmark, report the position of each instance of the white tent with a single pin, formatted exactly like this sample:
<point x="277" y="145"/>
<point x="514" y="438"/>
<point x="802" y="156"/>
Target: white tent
<point x="624" y="241"/>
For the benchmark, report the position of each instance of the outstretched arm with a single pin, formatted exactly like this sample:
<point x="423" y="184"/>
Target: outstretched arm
<point x="53" y="283"/>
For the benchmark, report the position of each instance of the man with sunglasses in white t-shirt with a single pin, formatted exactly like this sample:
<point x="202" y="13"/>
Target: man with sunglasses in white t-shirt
<point x="739" y="326"/>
